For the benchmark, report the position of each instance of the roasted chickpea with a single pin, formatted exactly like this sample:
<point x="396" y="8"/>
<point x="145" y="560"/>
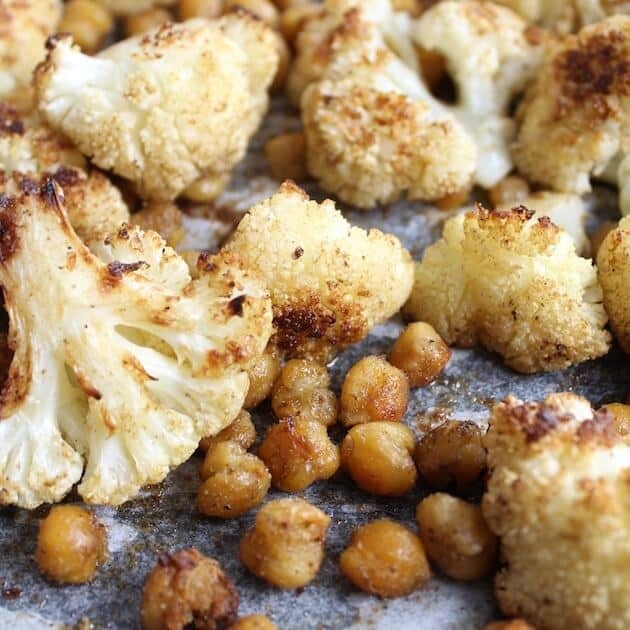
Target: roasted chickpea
<point x="283" y="5"/>
<point x="385" y="559"/>
<point x="140" y="23"/>
<point x="511" y="189"/>
<point x="284" y="64"/>
<point x="298" y="453"/>
<point x="188" y="589"/>
<point x="456" y="537"/>
<point x="621" y="419"/>
<point x="199" y="8"/>
<point x="420" y="353"/>
<point x="262" y="375"/>
<point x="242" y="431"/>
<point x="451" y="454"/>
<point x="165" y="218"/>
<point x="293" y="19"/>
<point x="286" y="155"/>
<point x="597" y="238"/>
<point x="413" y="7"/>
<point x="512" y="624"/>
<point x="286" y="545"/>
<point x="264" y="9"/>
<point x="235" y="481"/>
<point x="378" y="458"/>
<point x="303" y="391"/>
<point x="454" y="200"/>
<point x="373" y="391"/>
<point x="254" y="622"/>
<point x="88" y="22"/>
<point x="71" y="545"/>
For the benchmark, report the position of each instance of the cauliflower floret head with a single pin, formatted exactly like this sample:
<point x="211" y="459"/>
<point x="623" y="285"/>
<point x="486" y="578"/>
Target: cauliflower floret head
<point x="514" y="284"/>
<point x="122" y="363"/>
<point x="613" y="263"/>
<point x="129" y="7"/>
<point x="166" y="108"/>
<point x="30" y="149"/>
<point x="329" y="282"/>
<point x="490" y="54"/>
<point x="25" y="26"/>
<point x="575" y="119"/>
<point x="558" y="496"/>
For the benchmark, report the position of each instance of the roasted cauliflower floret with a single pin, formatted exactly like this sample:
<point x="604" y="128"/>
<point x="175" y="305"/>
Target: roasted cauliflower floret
<point x="490" y="54"/>
<point x="329" y="282"/>
<point x="121" y="363"/>
<point x="559" y="498"/>
<point x="130" y="7"/>
<point x="575" y="119"/>
<point x="29" y="149"/>
<point x="165" y="109"/>
<point x="25" y="26"/>
<point x="613" y="263"/>
<point x="513" y="284"/>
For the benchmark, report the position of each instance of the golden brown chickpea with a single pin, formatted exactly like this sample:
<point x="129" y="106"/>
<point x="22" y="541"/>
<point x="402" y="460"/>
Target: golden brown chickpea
<point x="242" y="431"/>
<point x="140" y="23"/>
<point x="451" y="454"/>
<point x="511" y="189"/>
<point x="71" y="545"/>
<point x="385" y="559"/>
<point x="286" y="545"/>
<point x="378" y="458"/>
<point x="298" y="453"/>
<point x="88" y="22"/>
<point x="420" y="353"/>
<point x="199" y="8"/>
<point x="456" y="537"/>
<point x="262" y="375"/>
<point x="454" y="200"/>
<point x="293" y="19"/>
<point x="621" y="419"/>
<point x="165" y="218"/>
<point x="264" y="9"/>
<point x="188" y="589"/>
<point x="597" y="238"/>
<point x="512" y="624"/>
<point x="413" y="7"/>
<point x="284" y="64"/>
<point x="286" y="155"/>
<point x="235" y="481"/>
<point x="283" y="5"/>
<point x="303" y="391"/>
<point x="254" y="622"/>
<point x="373" y="391"/>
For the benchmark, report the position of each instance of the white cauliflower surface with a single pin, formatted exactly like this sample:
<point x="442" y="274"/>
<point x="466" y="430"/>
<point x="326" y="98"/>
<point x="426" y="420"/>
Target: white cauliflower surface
<point x="514" y="284"/>
<point x="558" y="496"/>
<point x="167" y="108"/>
<point x="329" y="282"/>
<point x="122" y="363"/>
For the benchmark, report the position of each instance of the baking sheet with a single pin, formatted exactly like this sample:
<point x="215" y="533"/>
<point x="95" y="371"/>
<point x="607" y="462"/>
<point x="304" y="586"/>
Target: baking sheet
<point x="164" y="518"/>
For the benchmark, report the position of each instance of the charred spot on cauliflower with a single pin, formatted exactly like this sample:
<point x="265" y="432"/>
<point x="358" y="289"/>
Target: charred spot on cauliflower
<point x="122" y="362"/>
<point x="329" y="282"/>
<point x="166" y="109"/>
<point x="557" y="497"/>
<point x="512" y="283"/>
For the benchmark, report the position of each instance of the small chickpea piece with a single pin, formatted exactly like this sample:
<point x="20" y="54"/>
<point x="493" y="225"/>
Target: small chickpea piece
<point x="293" y="19"/>
<point x="385" y="559"/>
<point x="242" y="431"/>
<point x="512" y="624"/>
<point x="165" y="218"/>
<point x="303" y="391"/>
<point x="254" y="622"/>
<point x="420" y="353"/>
<point x="235" y="481"/>
<point x="140" y="23"/>
<point x="621" y="419"/>
<point x="511" y="190"/>
<point x="373" y="391"/>
<point x="187" y="589"/>
<point x="597" y="238"/>
<point x="298" y="453"/>
<point x="199" y="8"/>
<point x="286" y="155"/>
<point x="264" y="9"/>
<point x="88" y="22"/>
<point x="286" y="545"/>
<point x="378" y="458"/>
<point x="456" y="537"/>
<point x="262" y="375"/>
<point x="71" y="545"/>
<point x="451" y="454"/>
<point x="284" y="64"/>
<point x="454" y="200"/>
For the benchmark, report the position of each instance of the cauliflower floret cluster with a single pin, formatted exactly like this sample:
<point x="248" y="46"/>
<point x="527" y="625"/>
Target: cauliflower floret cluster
<point x="559" y="498"/>
<point x="329" y="282"/>
<point x="613" y="263"/>
<point x="122" y="363"/>
<point x="25" y="26"/>
<point x="513" y="284"/>
<point x="29" y="150"/>
<point x="164" y="109"/>
<point x="575" y="119"/>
